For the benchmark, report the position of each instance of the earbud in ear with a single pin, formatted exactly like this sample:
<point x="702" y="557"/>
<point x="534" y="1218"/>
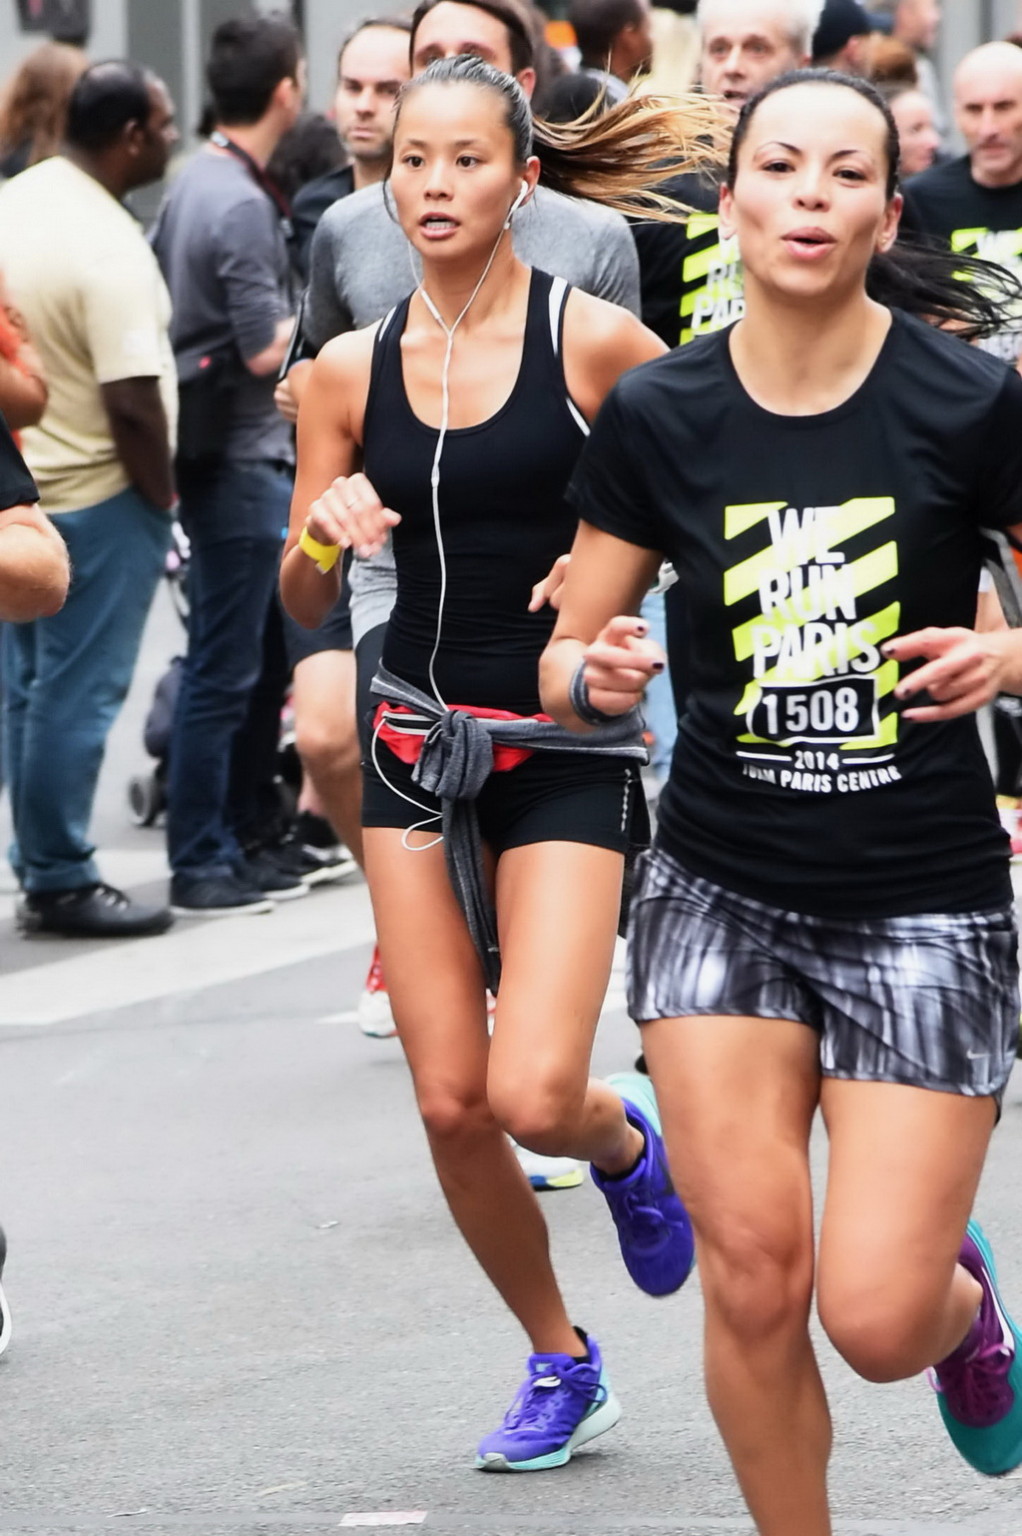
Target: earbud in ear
<point x="523" y="193"/>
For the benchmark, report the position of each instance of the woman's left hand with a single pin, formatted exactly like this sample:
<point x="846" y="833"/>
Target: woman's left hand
<point x="961" y="670"/>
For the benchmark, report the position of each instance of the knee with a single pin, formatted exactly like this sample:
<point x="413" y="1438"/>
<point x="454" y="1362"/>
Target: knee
<point x="327" y="747"/>
<point x="537" y="1115"/>
<point x="454" y="1118"/>
<point x="882" y="1333"/>
<point x="757" y="1277"/>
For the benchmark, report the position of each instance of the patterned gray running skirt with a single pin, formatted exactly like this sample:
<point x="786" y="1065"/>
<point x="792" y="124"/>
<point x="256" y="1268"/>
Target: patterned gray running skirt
<point x="931" y="1001"/>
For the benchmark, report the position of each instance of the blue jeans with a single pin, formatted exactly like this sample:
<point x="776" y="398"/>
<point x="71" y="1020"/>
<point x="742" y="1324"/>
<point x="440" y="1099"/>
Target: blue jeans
<point x="235" y="516"/>
<point x="65" y="679"/>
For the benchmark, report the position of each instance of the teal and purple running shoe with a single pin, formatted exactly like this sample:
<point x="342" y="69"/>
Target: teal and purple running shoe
<point x="653" y="1228"/>
<point x="980" y="1386"/>
<point x="562" y="1404"/>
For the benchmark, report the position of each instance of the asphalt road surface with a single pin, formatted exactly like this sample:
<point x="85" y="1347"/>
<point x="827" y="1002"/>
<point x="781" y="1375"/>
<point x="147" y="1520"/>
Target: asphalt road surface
<point x="240" y="1306"/>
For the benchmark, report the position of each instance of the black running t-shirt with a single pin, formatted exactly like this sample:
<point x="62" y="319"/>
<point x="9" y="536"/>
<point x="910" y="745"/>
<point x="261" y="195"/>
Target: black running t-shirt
<point x="691" y="276"/>
<point x="946" y="204"/>
<point x="802" y="543"/>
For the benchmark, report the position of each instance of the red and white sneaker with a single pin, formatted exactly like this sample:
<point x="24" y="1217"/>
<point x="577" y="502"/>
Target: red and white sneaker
<point x="374" y="1015"/>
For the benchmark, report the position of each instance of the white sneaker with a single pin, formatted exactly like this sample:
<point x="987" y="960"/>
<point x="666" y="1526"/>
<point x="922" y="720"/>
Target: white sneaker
<point x="374" y="1013"/>
<point x="549" y="1172"/>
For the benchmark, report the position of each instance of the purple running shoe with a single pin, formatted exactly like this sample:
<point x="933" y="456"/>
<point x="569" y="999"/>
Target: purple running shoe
<point x="980" y="1384"/>
<point x="562" y="1404"/>
<point x="652" y="1224"/>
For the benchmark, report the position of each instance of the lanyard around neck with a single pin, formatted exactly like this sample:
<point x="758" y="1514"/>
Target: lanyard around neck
<point x="255" y="170"/>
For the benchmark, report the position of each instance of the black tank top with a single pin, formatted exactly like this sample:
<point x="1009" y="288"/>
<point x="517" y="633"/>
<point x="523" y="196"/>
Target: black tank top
<point x="503" y="516"/>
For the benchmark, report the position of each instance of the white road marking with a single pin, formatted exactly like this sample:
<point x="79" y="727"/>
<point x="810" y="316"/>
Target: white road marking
<point x="195" y="954"/>
<point x="386" y="1517"/>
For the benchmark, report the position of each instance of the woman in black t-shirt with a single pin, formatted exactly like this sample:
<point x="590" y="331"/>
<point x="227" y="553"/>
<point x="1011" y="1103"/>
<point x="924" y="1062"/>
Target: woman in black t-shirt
<point x="825" y="920"/>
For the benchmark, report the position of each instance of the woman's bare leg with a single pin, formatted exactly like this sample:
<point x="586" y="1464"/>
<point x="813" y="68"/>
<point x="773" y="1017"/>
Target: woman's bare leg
<point x="558" y="906"/>
<point x="737" y="1098"/>
<point x="438" y="996"/>
<point x="904" y="1167"/>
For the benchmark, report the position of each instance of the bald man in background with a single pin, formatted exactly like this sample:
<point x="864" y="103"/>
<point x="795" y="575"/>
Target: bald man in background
<point x="974" y="203"/>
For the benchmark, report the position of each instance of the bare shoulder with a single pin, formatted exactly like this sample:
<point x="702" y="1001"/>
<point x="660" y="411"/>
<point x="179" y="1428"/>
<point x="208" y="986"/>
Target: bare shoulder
<point x="338" y="388"/>
<point x="594" y="326"/>
<point x="346" y="358"/>
<point x="601" y="342"/>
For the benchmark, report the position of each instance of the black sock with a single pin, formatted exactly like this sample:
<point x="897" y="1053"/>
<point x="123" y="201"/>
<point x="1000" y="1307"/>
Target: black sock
<point x="587" y="1356"/>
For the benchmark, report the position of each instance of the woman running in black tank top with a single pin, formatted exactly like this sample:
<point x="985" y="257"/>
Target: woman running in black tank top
<point x="504" y="523"/>
<point x="505" y="519"/>
<point x="469" y="407"/>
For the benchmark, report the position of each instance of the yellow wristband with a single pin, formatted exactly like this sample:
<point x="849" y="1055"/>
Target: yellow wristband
<point x="326" y="556"/>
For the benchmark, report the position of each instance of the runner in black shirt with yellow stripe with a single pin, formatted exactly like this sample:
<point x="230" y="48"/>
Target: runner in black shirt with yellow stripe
<point x="825" y="919"/>
<point x="691" y="276"/>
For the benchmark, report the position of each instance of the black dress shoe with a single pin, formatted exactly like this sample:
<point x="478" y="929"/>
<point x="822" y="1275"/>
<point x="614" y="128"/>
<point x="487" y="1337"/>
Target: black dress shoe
<point x="91" y="912"/>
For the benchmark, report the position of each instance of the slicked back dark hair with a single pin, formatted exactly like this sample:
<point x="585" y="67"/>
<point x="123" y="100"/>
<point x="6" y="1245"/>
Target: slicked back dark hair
<point x="248" y="58"/>
<point x="106" y="98"/>
<point x="514" y="17"/>
<point x="833" y="77"/>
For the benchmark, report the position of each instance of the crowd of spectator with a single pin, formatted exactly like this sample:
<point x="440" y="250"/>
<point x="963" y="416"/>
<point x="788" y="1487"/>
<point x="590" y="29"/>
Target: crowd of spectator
<point x="154" y="375"/>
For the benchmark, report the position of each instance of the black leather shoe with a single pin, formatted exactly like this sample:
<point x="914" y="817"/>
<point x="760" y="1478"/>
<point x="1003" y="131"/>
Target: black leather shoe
<point x="91" y="912"/>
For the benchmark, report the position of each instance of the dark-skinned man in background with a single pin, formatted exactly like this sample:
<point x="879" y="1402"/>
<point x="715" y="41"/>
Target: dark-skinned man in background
<point x="80" y="270"/>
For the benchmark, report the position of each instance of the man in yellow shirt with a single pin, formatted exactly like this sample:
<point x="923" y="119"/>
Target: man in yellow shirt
<point x="79" y="268"/>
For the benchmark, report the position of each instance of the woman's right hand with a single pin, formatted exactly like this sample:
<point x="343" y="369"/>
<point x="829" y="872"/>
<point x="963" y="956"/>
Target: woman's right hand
<point x="350" y="513"/>
<point x="620" y="664"/>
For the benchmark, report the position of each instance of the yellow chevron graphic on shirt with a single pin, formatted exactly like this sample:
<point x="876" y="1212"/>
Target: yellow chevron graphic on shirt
<point x="713" y="287"/>
<point x="988" y="244"/>
<point x="698" y="265"/>
<point x="738" y="519"/>
<point x="844" y="522"/>
<point x="848" y="582"/>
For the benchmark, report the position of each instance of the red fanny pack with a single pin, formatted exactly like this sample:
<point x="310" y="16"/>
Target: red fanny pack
<point x="407" y="745"/>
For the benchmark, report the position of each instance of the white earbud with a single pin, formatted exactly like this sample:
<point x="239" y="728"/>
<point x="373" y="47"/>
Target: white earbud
<point x="519" y="200"/>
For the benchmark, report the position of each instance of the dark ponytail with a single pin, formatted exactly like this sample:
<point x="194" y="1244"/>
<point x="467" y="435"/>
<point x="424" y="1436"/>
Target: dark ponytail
<point x="616" y="157"/>
<point x="972" y="297"/>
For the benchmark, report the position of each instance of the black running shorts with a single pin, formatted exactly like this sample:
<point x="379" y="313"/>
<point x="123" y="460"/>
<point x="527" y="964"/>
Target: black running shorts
<point x="552" y="797"/>
<point x="930" y="1001"/>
